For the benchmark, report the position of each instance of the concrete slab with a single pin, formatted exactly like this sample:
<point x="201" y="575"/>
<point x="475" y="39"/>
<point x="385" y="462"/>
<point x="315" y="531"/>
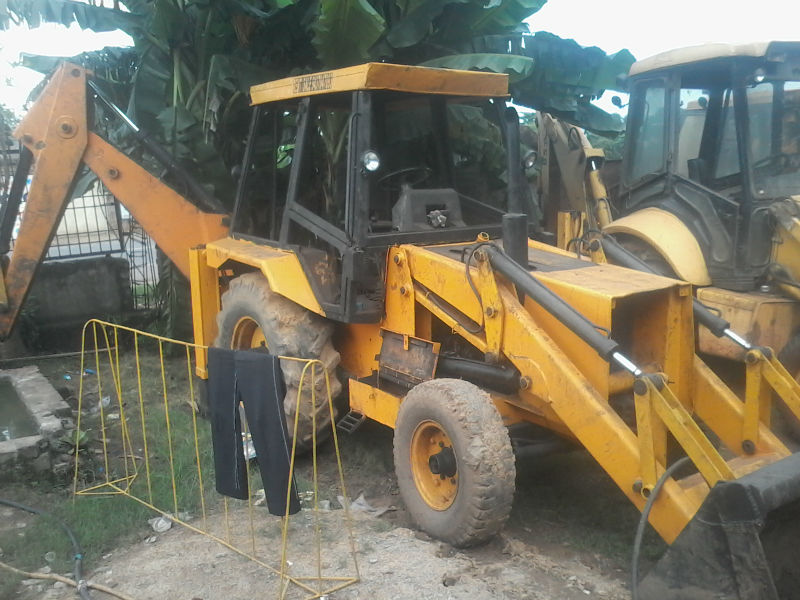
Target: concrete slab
<point x="46" y="407"/>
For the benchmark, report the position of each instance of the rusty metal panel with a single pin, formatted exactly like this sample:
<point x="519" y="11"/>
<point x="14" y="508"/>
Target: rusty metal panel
<point x="407" y="360"/>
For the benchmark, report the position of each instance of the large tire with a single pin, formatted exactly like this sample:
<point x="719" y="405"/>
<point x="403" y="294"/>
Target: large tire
<point x="785" y="421"/>
<point x="454" y="461"/>
<point x="253" y="317"/>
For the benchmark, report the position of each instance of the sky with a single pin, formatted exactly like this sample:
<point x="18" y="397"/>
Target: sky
<point x="645" y="27"/>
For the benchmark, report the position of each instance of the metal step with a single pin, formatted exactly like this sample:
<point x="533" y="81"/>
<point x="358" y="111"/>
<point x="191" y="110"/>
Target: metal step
<point x="351" y="421"/>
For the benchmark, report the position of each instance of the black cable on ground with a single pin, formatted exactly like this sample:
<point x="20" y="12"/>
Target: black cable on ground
<point x="77" y="551"/>
<point x="637" y="540"/>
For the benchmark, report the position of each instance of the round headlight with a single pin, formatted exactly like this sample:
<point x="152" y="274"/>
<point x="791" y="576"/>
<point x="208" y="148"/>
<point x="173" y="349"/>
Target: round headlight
<point x="370" y="161"/>
<point x="529" y="160"/>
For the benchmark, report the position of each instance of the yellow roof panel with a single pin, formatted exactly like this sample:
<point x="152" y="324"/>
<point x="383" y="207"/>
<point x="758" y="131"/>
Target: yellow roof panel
<point x="382" y="76"/>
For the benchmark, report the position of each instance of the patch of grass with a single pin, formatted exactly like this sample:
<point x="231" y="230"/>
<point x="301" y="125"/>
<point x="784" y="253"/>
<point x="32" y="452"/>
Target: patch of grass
<point x="102" y="523"/>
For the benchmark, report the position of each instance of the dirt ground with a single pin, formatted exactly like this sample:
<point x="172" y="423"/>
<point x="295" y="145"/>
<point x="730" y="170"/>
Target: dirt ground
<point x="543" y="553"/>
<point x="568" y="537"/>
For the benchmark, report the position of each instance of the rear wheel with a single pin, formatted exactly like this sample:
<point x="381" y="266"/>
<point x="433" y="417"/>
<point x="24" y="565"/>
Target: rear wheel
<point x="254" y="317"/>
<point x="454" y="461"/>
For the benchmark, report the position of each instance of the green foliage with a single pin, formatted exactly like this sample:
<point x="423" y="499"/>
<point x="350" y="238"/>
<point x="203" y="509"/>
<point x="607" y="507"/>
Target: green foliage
<point x="416" y="23"/>
<point x="345" y="30"/>
<point x="187" y="78"/>
<point x="516" y="67"/>
<point x="8" y="121"/>
<point x="87" y="16"/>
<point x="612" y="146"/>
<point x="505" y="14"/>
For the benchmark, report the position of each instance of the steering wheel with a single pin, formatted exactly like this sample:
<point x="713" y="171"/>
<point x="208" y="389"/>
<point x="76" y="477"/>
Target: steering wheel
<point x="410" y="176"/>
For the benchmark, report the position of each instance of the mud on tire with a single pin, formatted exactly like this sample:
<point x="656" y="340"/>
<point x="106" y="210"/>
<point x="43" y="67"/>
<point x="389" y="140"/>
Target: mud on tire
<point x="288" y="330"/>
<point x="475" y="507"/>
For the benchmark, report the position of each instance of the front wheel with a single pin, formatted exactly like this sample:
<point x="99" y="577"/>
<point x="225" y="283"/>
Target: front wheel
<point x="454" y="461"/>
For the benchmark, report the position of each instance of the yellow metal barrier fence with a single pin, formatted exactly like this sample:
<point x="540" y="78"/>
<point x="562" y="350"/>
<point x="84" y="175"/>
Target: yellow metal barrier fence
<point x="157" y="452"/>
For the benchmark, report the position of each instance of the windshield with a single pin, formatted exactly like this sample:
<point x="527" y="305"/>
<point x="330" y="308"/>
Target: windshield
<point x="774" y="128"/>
<point x="442" y="163"/>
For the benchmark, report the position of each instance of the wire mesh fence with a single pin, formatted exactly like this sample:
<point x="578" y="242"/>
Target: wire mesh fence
<point x="94" y="224"/>
<point x="139" y="402"/>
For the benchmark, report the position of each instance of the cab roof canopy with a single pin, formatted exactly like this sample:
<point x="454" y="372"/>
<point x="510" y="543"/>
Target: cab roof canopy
<point x="706" y="52"/>
<point x="382" y="76"/>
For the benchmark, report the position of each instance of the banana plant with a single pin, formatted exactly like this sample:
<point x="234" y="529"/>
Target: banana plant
<point x="194" y="60"/>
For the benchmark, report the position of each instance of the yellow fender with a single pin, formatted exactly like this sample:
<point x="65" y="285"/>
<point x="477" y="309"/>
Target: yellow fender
<point x="669" y="236"/>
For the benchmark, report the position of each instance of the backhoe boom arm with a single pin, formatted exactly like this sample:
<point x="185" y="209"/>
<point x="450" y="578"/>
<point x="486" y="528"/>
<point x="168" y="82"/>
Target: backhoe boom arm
<point x="56" y="133"/>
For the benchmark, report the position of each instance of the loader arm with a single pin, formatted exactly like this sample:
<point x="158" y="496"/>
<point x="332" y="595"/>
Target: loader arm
<point x="56" y="136"/>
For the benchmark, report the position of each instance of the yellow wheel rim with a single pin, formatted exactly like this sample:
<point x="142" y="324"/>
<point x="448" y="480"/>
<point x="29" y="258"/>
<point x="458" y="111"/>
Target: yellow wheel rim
<point x="247" y="334"/>
<point x="433" y="465"/>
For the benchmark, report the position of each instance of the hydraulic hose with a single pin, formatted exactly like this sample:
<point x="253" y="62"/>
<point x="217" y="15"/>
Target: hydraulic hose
<point x="77" y="551"/>
<point x="551" y="302"/>
<point x="637" y="540"/>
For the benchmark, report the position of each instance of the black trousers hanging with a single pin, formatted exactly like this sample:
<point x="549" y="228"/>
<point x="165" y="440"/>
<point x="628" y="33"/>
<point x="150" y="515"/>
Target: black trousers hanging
<point x="255" y="379"/>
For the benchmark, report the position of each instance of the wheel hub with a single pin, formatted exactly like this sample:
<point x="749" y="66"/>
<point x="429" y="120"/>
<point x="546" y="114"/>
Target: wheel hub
<point x="443" y="462"/>
<point x="248" y="335"/>
<point x="434" y="465"/>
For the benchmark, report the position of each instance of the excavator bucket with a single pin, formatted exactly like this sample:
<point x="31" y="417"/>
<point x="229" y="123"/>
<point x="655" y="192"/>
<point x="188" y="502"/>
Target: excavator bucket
<point x="741" y="543"/>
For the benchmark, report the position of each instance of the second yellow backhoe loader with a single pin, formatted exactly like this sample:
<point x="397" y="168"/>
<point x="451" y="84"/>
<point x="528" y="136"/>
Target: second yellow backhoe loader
<point x="707" y="190"/>
<point x="379" y="227"/>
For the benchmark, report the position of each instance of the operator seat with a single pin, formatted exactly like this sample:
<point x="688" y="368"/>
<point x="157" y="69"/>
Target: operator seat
<point x="426" y="210"/>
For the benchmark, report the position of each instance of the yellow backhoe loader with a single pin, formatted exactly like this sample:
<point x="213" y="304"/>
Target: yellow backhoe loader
<point x="379" y="227"/>
<point x="708" y="189"/>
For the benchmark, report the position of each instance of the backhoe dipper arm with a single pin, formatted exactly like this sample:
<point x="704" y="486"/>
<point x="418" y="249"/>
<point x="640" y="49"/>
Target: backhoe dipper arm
<point x="55" y="131"/>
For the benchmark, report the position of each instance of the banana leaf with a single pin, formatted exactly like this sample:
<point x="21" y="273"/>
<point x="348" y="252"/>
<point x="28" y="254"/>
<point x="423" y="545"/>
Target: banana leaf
<point x="345" y="30"/>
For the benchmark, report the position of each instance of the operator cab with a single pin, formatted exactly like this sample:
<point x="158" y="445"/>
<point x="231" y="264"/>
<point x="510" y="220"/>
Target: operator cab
<point x="344" y="164"/>
<point x="714" y="137"/>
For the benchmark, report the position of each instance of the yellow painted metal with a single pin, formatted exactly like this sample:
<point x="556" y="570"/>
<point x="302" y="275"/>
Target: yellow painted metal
<point x="687" y="433"/>
<point x="786" y="244"/>
<point x="358" y="345"/>
<point x="281" y="268"/>
<point x="373" y="402"/>
<point x="596" y="292"/>
<point x="668" y="235"/>
<point x="248" y="335"/>
<point x="574" y="401"/>
<point x="438" y="491"/>
<point x="55" y="131"/>
<point x="493" y="319"/>
<point x="384" y="76"/>
<point x="651" y="452"/>
<point x="783" y="382"/>
<point x="566" y="385"/>
<point x="204" y="281"/>
<point x="762" y="319"/>
<point x="757" y="401"/>
<point x="722" y="410"/>
<point x="3" y="293"/>
<point x="569" y="228"/>
<point x="599" y="194"/>
<point x="443" y="276"/>
<point x="400" y="309"/>
<point x="174" y="223"/>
